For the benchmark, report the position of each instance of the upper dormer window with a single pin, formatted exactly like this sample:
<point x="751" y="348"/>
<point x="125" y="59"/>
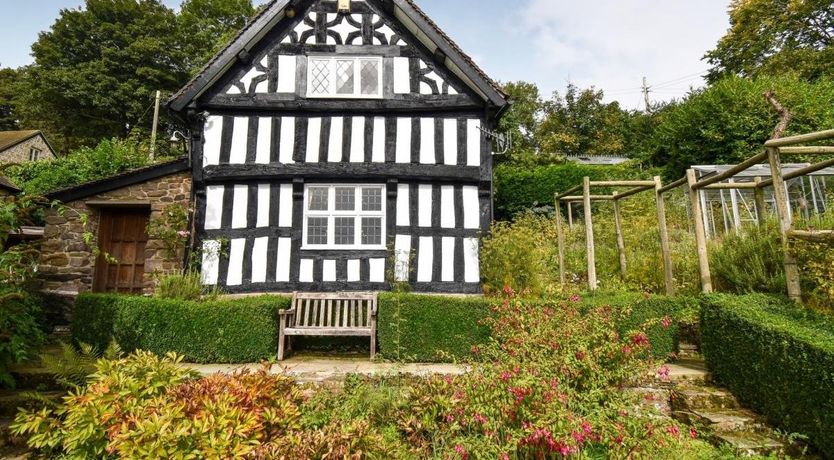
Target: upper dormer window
<point x="34" y="154"/>
<point x="344" y="77"/>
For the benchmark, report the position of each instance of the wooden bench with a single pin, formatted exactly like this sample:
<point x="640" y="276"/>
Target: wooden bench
<point x="328" y="315"/>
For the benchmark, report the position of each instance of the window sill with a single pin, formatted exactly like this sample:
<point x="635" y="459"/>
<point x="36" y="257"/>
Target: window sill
<point x="343" y="248"/>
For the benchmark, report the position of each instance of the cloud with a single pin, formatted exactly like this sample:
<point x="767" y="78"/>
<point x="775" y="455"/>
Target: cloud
<point x="613" y="44"/>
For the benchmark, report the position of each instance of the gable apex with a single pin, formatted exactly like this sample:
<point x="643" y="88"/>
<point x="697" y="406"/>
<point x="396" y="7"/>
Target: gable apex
<point x="409" y="18"/>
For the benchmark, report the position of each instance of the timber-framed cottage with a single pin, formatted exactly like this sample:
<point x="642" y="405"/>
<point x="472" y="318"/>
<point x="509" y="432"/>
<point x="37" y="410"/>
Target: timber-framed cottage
<point x="340" y="146"/>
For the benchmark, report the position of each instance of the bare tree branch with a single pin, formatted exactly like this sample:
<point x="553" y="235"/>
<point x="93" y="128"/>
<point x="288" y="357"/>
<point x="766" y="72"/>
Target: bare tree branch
<point x="785" y="115"/>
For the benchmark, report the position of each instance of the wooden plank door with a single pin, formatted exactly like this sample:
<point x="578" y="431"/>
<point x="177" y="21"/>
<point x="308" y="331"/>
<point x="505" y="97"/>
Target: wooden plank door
<point x="123" y="236"/>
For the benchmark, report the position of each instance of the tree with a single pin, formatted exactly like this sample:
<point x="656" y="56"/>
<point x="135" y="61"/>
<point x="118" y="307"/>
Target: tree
<point x="206" y="25"/>
<point x="522" y="118"/>
<point x="8" y="94"/>
<point x="773" y="37"/>
<point x="580" y="123"/>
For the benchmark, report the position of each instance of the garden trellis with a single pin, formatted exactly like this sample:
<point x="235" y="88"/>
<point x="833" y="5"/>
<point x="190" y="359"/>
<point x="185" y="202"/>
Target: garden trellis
<point x="774" y="149"/>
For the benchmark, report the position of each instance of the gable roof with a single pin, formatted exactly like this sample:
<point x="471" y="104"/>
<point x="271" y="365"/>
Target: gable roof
<point x="406" y="11"/>
<point x="9" y="139"/>
<point x="6" y="184"/>
<point x="118" y="181"/>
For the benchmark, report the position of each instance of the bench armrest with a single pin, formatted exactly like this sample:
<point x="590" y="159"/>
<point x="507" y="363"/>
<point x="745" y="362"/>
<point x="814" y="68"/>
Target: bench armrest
<point x="288" y="312"/>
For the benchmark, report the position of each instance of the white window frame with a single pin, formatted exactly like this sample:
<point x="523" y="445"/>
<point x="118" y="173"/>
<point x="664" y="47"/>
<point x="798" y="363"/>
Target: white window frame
<point x="357" y="77"/>
<point x="331" y="214"/>
<point x="35" y="154"/>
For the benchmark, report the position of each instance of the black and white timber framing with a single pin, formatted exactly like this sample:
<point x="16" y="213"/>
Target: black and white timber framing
<point x="259" y="141"/>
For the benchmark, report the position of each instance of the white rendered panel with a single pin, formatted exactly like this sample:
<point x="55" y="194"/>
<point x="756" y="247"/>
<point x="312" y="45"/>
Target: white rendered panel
<point x="377" y="270"/>
<point x="240" y="208"/>
<point x="235" y="276"/>
<point x="378" y="154"/>
<point x="471" y="208"/>
<point x="264" y="147"/>
<point x="246" y="80"/>
<point x="450" y="141"/>
<point x="305" y="272"/>
<point x="287" y="147"/>
<point x="353" y="271"/>
<point x="402" y="256"/>
<point x="357" y="140"/>
<point x="286" y="74"/>
<point x="427" y="153"/>
<point x="403" y="205"/>
<point x="403" y="140"/>
<point x="334" y="149"/>
<point x="424" y="205"/>
<point x="285" y="206"/>
<point x="259" y="253"/>
<point x="283" y="267"/>
<point x="471" y="263"/>
<point x="328" y="271"/>
<point x="447" y="206"/>
<point x="213" y="132"/>
<point x="263" y="205"/>
<point x="313" y="139"/>
<point x="240" y="139"/>
<point x="448" y="264"/>
<point x="402" y="76"/>
<point x="473" y="143"/>
<point x="425" y="259"/>
<point x="211" y="262"/>
<point x="214" y="207"/>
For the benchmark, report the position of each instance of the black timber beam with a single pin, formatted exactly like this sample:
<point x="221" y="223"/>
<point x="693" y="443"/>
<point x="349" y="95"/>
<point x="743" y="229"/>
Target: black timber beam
<point x="343" y="171"/>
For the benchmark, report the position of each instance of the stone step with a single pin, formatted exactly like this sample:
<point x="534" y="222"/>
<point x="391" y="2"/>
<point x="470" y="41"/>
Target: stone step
<point x="751" y="443"/>
<point x="722" y="420"/>
<point x="688" y="350"/>
<point x="653" y="399"/>
<point x="687" y="397"/>
<point x="686" y="370"/>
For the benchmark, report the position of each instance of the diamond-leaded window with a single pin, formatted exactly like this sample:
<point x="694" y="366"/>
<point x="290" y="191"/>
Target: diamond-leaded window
<point x="344" y="217"/>
<point x="344" y="77"/>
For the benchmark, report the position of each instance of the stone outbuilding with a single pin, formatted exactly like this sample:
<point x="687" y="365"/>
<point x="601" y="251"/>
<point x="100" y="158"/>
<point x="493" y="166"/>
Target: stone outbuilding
<point x="100" y="240"/>
<point x="22" y="146"/>
<point x="7" y="187"/>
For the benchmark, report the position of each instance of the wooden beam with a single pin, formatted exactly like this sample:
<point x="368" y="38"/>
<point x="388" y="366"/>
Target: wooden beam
<point x="802" y="138"/>
<point x="673" y="185"/>
<point x="567" y="192"/>
<point x="664" y="237"/>
<point x="810" y="150"/>
<point x="633" y="191"/>
<point x="761" y="207"/>
<point x="800" y="172"/>
<point x="700" y="233"/>
<point x="582" y="197"/>
<point x="342" y="171"/>
<point x="570" y="215"/>
<point x="589" y="235"/>
<point x="618" y="227"/>
<point x="785" y="222"/>
<point x="731" y="186"/>
<point x="744" y="165"/>
<point x="623" y="183"/>
<point x="560" y="233"/>
<point x="816" y="236"/>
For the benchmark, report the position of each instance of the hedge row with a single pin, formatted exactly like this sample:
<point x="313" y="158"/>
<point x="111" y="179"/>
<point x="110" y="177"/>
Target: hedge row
<point x="223" y="331"/>
<point x="777" y="358"/>
<point x="424" y="328"/>
<point x="519" y="188"/>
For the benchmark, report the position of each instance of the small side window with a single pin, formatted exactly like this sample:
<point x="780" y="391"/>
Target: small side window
<point x="34" y="154"/>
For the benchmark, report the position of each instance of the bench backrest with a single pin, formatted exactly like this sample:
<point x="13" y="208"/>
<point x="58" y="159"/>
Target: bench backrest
<point x="336" y="310"/>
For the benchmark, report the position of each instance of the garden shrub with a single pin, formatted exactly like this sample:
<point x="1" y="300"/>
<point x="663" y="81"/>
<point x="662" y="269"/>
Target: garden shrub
<point x="19" y="328"/>
<point x="760" y="247"/>
<point x="661" y="318"/>
<point x="776" y="357"/>
<point x="93" y="319"/>
<point x="426" y="328"/>
<point x="220" y="331"/>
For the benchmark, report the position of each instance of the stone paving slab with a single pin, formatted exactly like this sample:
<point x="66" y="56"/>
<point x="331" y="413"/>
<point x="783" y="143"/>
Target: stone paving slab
<point x="323" y="369"/>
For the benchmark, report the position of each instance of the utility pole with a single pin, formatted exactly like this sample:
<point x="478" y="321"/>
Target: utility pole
<point x="646" y="95"/>
<point x="155" y="123"/>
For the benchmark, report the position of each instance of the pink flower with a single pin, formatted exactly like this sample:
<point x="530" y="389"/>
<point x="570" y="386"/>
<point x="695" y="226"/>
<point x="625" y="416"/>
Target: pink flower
<point x="640" y="339"/>
<point x="693" y="433"/>
<point x="460" y="450"/>
<point x="479" y="418"/>
<point x="663" y="372"/>
<point x="475" y="350"/>
<point x="184" y="233"/>
<point x="575" y="298"/>
<point x="666" y="322"/>
<point x="626" y="350"/>
<point x="673" y="430"/>
<point x="580" y="355"/>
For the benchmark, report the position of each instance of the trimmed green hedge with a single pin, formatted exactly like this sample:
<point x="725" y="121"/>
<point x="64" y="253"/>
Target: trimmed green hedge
<point x="776" y="357"/>
<point x="425" y="328"/>
<point x="223" y="331"/>
<point x="519" y="188"/>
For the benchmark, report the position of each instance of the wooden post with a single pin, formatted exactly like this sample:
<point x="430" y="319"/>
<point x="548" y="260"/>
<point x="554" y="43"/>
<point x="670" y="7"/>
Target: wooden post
<point x="785" y="221"/>
<point x="700" y="233"/>
<point x="618" y="226"/>
<point x="155" y="124"/>
<point x="570" y="215"/>
<point x="589" y="234"/>
<point x="761" y="208"/>
<point x="561" y="238"/>
<point x="664" y="237"/>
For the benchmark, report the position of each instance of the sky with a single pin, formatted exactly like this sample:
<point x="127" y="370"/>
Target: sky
<point x="608" y="44"/>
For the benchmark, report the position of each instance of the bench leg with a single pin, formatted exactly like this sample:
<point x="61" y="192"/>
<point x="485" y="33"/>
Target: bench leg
<point x="373" y="346"/>
<point x="281" y="340"/>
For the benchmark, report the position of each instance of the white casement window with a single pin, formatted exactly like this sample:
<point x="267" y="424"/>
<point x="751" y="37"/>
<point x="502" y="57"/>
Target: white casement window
<point x="344" y="217"/>
<point x="34" y="154"/>
<point x="344" y="77"/>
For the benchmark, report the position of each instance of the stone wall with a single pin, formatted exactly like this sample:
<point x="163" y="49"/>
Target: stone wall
<point x="67" y="264"/>
<point x="20" y="152"/>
